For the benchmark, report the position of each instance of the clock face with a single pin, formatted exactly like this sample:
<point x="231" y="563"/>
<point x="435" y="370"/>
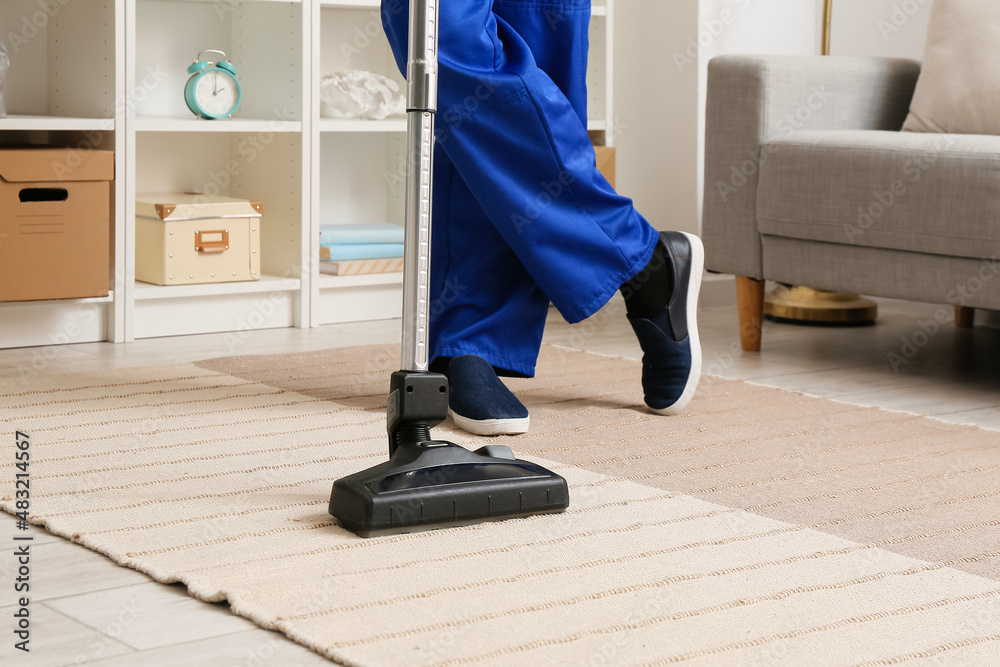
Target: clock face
<point x="217" y="93"/>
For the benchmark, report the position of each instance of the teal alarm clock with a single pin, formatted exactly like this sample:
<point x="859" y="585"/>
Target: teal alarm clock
<point x="213" y="91"/>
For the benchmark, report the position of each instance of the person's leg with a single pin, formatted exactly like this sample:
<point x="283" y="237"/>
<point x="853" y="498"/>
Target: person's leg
<point x="483" y="301"/>
<point x="661" y="300"/>
<point x="525" y="155"/>
<point x="504" y="323"/>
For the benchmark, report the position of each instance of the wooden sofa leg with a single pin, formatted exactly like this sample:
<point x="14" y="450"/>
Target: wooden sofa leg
<point x="750" y="304"/>
<point x="964" y="317"/>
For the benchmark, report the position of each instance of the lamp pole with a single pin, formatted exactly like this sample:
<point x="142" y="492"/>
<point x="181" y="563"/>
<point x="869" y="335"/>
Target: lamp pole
<point x="827" y="16"/>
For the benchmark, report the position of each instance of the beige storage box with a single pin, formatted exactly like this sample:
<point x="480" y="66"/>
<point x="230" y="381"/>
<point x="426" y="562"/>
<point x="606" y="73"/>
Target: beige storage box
<point x="55" y="223"/>
<point x="191" y="239"/>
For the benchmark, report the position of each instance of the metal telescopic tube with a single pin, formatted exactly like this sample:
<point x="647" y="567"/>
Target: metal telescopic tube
<point x="421" y="76"/>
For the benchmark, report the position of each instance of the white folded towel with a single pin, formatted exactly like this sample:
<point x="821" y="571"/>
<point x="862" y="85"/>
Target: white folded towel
<point x="360" y="94"/>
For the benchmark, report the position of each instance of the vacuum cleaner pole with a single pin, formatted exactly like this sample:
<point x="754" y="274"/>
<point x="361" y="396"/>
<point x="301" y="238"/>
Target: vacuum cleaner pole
<point x="428" y="483"/>
<point x="421" y="106"/>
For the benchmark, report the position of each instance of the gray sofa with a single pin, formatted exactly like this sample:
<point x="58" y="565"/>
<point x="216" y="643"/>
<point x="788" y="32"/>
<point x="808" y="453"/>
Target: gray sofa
<point x="809" y="181"/>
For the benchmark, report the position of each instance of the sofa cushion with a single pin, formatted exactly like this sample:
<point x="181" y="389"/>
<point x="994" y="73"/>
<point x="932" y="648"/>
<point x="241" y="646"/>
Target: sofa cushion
<point x="931" y="193"/>
<point x="959" y="86"/>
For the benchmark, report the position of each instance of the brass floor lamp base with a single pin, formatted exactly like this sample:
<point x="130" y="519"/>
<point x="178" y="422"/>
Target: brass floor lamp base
<point x="809" y="306"/>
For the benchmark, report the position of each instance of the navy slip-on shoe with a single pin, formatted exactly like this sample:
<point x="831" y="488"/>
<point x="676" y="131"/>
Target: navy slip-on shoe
<point x="480" y="403"/>
<point x="671" y="349"/>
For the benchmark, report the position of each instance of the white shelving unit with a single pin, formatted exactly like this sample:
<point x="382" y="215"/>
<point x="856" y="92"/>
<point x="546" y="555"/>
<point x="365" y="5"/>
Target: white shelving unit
<point x="354" y="159"/>
<point x="63" y="87"/>
<point x="110" y="74"/>
<point x="51" y="124"/>
<point x="263" y="153"/>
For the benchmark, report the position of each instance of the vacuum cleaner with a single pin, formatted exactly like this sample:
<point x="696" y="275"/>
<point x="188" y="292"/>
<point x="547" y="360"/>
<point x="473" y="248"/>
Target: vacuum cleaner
<point x="429" y="483"/>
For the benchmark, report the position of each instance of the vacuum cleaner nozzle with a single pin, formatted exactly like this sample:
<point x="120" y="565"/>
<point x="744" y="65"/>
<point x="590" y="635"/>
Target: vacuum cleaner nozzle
<point x="439" y="484"/>
<point x="432" y="484"/>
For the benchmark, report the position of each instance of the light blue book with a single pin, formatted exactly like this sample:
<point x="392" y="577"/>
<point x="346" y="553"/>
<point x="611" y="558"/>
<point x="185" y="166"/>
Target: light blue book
<point x="360" y="233"/>
<point x="339" y="252"/>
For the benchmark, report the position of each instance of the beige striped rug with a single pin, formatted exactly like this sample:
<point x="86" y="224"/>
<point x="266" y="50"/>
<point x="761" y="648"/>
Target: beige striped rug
<point x="763" y="527"/>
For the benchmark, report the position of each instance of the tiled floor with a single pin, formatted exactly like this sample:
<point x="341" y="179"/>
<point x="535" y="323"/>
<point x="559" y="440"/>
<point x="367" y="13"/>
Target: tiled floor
<point x="86" y="610"/>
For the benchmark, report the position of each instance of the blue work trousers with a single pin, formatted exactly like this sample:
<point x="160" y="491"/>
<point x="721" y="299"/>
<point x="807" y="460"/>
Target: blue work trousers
<point x="521" y="215"/>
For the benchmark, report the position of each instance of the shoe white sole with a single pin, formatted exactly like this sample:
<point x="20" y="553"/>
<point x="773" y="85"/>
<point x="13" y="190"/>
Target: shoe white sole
<point x="491" y="426"/>
<point x="694" y="289"/>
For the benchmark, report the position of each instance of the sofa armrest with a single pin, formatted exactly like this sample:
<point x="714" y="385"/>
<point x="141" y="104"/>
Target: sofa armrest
<point x="754" y="98"/>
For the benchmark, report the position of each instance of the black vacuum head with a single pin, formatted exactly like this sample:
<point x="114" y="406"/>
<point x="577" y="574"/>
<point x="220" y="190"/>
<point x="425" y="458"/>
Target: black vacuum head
<point x="438" y="484"/>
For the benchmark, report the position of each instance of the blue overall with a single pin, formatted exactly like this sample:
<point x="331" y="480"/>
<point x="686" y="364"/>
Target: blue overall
<point x="521" y="215"/>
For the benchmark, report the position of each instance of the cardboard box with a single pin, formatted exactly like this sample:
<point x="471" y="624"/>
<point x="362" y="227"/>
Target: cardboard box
<point x="188" y="239"/>
<point x="55" y="223"/>
<point x="606" y="162"/>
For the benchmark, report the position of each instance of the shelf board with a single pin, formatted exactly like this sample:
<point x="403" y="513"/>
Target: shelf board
<point x="351" y="4"/>
<point x="327" y="281"/>
<point x="192" y="124"/>
<point x="17" y="122"/>
<point x="61" y="302"/>
<point x="147" y="291"/>
<point x="357" y="125"/>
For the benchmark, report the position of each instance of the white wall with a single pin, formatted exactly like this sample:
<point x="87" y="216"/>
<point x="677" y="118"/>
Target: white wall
<point x="759" y="26"/>
<point x="896" y="28"/>
<point x="656" y="110"/>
